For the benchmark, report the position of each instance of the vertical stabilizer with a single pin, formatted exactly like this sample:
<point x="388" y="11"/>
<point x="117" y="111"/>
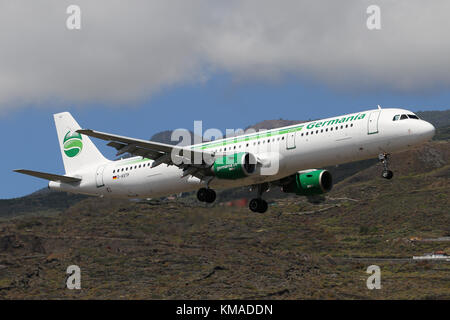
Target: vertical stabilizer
<point x="77" y="150"/>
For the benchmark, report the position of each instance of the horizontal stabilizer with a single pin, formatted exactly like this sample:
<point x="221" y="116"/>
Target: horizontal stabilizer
<point x="48" y="176"/>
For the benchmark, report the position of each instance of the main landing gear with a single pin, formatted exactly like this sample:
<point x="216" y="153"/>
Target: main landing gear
<point x="387" y="174"/>
<point x="258" y="204"/>
<point x="206" y="195"/>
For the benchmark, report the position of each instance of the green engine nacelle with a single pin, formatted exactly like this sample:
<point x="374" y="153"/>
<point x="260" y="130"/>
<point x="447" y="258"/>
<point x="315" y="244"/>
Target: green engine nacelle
<point x="309" y="183"/>
<point x="234" y="166"/>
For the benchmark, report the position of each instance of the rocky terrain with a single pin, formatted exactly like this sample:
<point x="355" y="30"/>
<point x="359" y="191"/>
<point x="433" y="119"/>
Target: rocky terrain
<point x="170" y="249"/>
<point x="177" y="248"/>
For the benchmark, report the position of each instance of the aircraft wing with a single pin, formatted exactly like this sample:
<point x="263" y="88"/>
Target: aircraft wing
<point x="48" y="176"/>
<point x="159" y="152"/>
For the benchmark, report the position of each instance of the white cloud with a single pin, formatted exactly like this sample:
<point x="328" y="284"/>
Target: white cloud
<point x="127" y="50"/>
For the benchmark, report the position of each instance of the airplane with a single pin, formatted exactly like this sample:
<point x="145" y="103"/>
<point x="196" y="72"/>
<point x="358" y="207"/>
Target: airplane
<point x="282" y="157"/>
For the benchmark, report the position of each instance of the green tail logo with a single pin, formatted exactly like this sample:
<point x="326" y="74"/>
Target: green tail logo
<point x="72" y="144"/>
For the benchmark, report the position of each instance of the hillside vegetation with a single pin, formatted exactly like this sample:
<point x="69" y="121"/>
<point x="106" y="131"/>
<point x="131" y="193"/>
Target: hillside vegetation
<point x="175" y="249"/>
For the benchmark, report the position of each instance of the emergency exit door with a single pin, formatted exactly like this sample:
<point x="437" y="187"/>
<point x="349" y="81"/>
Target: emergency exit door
<point x="290" y="140"/>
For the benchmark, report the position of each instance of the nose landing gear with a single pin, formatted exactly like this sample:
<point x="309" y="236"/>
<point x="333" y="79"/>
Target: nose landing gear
<point x="386" y="174"/>
<point x="206" y="195"/>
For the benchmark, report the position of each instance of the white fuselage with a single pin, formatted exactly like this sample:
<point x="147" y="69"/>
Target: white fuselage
<point x="282" y="151"/>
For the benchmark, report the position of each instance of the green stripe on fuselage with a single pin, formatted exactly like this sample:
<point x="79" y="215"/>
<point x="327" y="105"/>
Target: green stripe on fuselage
<point x="132" y="161"/>
<point x="275" y="132"/>
<point x="253" y="136"/>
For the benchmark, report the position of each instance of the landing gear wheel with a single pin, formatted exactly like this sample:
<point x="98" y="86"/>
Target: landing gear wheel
<point x="202" y="194"/>
<point x="258" y="205"/>
<point x="206" y="195"/>
<point x="263" y="207"/>
<point x="210" y="196"/>
<point x="387" y="174"/>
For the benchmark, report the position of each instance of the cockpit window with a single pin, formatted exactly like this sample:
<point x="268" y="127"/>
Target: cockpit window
<point x="396" y="117"/>
<point x="413" y="116"/>
<point x="403" y="117"/>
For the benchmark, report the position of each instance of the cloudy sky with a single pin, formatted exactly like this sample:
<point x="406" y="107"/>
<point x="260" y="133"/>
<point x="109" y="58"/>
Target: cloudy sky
<point x="126" y="52"/>
<point x="171" y="62"/>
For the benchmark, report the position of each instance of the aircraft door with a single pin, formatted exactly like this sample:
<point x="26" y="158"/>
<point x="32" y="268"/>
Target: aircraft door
<point x="99" y="176"/>
<point x="372" y="124"/>
<point x="290" y="140"/>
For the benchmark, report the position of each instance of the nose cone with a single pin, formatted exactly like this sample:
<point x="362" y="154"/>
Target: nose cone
<point x="428" y="130"/>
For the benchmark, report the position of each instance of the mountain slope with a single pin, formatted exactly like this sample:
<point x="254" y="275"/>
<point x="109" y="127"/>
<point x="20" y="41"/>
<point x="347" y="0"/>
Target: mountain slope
<point x="297" y="250"/>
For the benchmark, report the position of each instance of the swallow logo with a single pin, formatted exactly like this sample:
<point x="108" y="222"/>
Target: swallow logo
<point x="72" y="144"/>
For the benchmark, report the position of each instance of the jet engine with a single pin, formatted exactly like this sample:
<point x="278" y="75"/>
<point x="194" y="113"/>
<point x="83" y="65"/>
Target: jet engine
<point x="234" y="166"/>
<point x="309" y="182"/>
